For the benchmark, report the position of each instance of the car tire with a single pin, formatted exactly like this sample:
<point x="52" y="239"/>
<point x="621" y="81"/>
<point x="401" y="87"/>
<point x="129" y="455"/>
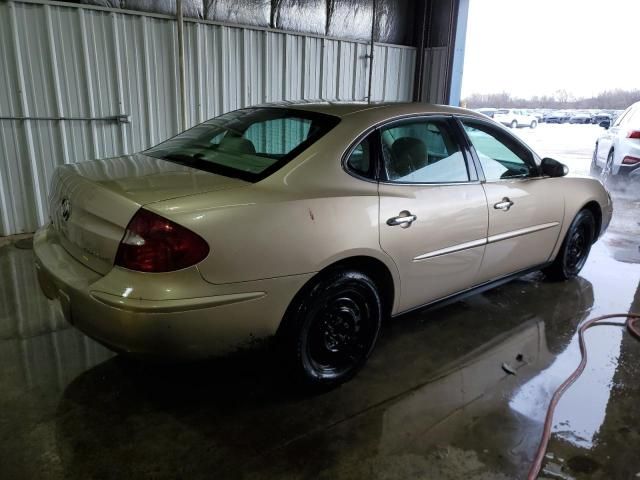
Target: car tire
<point x="595" y="169"/>
<point x="534" y="124"/>
<point x="330" y="328"/>
<point x="606" y="175"/>
<point x="514" y="124"/>
<point x="575" y="248"/>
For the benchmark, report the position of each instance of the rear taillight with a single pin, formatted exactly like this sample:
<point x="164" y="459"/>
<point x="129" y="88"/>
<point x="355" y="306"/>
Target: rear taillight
<point x="633" y="134"/>
<point x="152" y="243"/>
<point x="628" y="160"/>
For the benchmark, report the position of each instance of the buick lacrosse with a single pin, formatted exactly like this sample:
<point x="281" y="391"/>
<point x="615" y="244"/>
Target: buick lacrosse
<point x="309" y="223"/>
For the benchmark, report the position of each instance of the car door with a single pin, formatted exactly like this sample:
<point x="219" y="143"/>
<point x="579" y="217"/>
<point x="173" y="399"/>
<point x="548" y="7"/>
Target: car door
<point x="519" y="117"/>
<point x="606" y="141"/>
<point x="433" y="211"/>
<point x="525" y="210"/>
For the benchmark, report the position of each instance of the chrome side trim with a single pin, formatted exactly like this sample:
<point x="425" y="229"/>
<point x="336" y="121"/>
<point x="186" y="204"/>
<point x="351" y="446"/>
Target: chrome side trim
<point x="522" y="231"/>
<point x="484" y="241"/>
<point x="452" y="249"/>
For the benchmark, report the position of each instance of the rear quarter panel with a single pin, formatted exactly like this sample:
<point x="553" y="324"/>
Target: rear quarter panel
<point x="304" y="217"/>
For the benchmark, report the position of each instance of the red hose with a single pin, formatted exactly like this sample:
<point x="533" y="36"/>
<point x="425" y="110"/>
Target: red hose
<point x="632" y="319"/>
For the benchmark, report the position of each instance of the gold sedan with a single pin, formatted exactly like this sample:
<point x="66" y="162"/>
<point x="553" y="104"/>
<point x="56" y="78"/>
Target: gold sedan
<point x="310" y="223"/>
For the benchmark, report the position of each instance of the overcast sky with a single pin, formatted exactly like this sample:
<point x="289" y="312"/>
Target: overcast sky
<point x="536" y="47"/>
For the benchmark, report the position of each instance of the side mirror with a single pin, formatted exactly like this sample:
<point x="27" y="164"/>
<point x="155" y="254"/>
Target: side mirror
<point x="553" y="168"/>
<point x="605" y="124"/>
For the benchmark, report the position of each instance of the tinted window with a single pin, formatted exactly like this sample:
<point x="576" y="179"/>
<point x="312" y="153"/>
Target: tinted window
<point x="250" y="143"/>
<point x="422" y="151"/>
<point x="278" y="137"/>
<point x="359" y="161"/>
<point x="501" y="157"/>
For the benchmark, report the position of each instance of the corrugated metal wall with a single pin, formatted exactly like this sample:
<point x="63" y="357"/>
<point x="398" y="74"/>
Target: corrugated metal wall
<point x="66" y="60"/>
<point x="436" y="74"/>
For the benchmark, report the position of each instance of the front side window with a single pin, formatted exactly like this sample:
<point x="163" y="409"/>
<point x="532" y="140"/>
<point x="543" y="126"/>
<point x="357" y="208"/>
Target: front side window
<point x="422" y="151"/>
<point x="250" y="143"/>
<point x="501" y="157"/>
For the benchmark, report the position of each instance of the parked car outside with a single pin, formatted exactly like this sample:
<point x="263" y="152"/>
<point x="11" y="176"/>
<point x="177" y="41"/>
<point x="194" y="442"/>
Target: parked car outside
<point x="515" y="118"/>
<point x="617" y="150"/>
<point x="541" y="114"/>
<point x="489" y="112"/>
<point x="558" y="116"/>
<point x="599" y="117"/>
<point x="581" y="118"/>
<point x="308" y="223"/>
<point x="535" y="113"/>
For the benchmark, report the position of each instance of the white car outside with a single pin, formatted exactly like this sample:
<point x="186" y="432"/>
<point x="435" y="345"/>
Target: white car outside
<point x="515" y="118"/>
<point x="617" y="151"/>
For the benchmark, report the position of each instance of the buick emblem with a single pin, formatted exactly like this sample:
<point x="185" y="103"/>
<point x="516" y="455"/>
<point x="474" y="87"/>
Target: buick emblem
<point x="65" y="209"/>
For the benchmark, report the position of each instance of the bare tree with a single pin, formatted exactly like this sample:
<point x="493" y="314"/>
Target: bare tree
<point x="609" y="99"/>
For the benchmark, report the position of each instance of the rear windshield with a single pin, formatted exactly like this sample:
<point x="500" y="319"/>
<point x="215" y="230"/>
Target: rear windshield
<point x="250" y="144"/>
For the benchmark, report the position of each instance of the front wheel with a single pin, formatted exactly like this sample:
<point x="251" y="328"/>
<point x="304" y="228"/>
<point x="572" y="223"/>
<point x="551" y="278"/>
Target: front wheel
<point x="575" y="248"/>
<point x="595" y="169"/>
<point x="514" y="124"/>
<point x="534" y="124"/>
<point x="331" y="328"/>
<point x="607" y="172"/>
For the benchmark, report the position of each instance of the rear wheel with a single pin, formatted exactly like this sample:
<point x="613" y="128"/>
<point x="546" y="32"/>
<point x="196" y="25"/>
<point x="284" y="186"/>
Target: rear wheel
<point x="575" y="248"/>
<point x="534" y="124"/>
<point x="331" y="328"/>
<point x="514" y="124"/>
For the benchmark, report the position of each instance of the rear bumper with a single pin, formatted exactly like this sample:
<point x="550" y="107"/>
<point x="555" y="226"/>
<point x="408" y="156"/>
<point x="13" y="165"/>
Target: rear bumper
<point x="627" y="148"/>
<point x="632" y="171"/>
<point x="230" y="317"/>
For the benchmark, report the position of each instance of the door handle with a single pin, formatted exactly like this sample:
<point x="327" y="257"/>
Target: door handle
<point x="404" y="219"/>
<point x="504" y="205"/>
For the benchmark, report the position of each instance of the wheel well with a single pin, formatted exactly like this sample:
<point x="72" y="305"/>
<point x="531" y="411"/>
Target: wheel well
<point x="595" y="209"/>
<point x="372" y="267"/>
<point x="375" y="269"/>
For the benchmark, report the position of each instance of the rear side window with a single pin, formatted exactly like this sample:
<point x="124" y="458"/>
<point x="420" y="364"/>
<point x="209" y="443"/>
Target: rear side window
<point x="249" y="144"/>
<point x="422" y="151"/>
<point x="359" y="160"/>
<point x="501" y="157"/>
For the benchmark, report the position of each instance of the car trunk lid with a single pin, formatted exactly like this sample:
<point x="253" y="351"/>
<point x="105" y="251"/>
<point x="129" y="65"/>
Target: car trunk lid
<point x="91" y="203"/>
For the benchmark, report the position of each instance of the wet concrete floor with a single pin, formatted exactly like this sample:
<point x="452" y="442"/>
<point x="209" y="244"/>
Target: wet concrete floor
<point x="433" y="402"/>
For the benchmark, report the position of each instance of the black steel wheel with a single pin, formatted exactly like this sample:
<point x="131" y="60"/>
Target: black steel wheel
<point x="575" y="248"/>
<point x="331" y="328"/>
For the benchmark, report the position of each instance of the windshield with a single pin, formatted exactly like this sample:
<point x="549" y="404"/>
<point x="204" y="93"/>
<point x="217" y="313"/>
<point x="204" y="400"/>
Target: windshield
<point x="250" y="144"/>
